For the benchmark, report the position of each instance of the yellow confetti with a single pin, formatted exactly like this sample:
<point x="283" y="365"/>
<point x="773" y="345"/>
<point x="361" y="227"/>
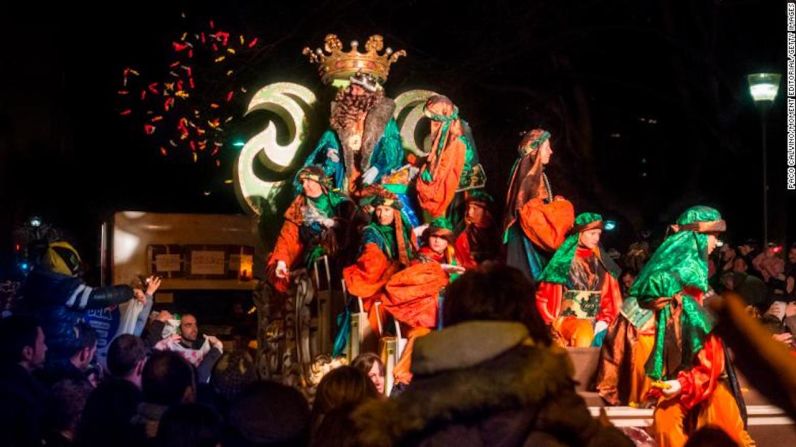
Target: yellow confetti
<point x="195" y="157"/>
<point x="230" y="51"/>
<point x="229" y="73"/>
<point x="228" y="181"/>
<point x="184" y="35"/>
<point x="181" y="94"/>
<point x="220" y="58"/>
<point x="241" y="40"/>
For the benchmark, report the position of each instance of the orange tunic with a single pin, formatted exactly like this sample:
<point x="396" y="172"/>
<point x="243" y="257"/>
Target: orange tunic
<point x="547" y="224"/>
<point x="412" y="297"/>
<point x="288" y="248"/>
<point x="435" y="195"/>
<point x="367" y="278"/>
<point x="413" y="294"/>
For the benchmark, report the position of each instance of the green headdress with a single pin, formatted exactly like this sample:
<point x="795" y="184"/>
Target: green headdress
<point x="557" y="270"/>
<point x="680" y="262"/>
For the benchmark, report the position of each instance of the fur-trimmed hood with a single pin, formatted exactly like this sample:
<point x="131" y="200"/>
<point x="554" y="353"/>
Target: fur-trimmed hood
<point x="464" y="372"/>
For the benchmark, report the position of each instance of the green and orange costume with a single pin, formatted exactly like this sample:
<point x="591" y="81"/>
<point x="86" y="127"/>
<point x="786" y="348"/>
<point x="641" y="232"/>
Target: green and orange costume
<point x="673" y="284"/>
<point x="452" y="165"/>
<point x="577" y="290"/>
<point x="536" y="222"/>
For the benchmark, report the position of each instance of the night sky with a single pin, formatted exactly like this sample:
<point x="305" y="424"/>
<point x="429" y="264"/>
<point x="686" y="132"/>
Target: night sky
<point x="647" y="101"/>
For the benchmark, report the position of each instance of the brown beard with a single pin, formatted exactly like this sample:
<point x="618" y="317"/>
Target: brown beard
<point x="349" y="108"/>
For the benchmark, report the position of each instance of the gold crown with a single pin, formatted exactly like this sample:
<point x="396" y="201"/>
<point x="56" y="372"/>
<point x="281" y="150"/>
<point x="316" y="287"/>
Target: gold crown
<point x="335" y="64"/>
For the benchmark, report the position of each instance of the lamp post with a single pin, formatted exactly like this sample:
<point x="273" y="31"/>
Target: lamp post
<point x="763" y="87"/>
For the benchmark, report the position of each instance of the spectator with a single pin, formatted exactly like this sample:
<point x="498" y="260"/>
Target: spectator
<point x="268" y="414"/>
<point x="751" y="288"/>
<point x="746" y="253"/>
<point x="336" y="429"/>
<point x="509" y="388"/>
<point x="770" y="264"/>
<point x="167" y="380"/>
<point x="233" y="372"/>
<point x="67" y="401"/>
<point x="189" y="425"/>
<point x="626" y="280"/>
<point x="126" y="358"/>
<point x="83" y="342"/>
<point x="727" y="258"/>
<point x="371" y="364"/>
<point x="58" y="296"/>
<point x="790" y="272"/>
<point x="22" y="396"/>
<point x="106" y="417"/>
<point x="200" y="350"/>
<point x="341" y="386"/>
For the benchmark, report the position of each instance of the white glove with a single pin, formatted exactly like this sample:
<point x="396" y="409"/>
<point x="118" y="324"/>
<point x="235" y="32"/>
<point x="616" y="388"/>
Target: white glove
<point x="333" y="155"/>
<point x="450" y="268"/>
<point x="673" y="389"/>
<point x="281" y="269"/>
<point x="328" y="223"/>
<point x="370" y="175"/>
<point x="413" y="171"/>
<point x="600" y="326"/>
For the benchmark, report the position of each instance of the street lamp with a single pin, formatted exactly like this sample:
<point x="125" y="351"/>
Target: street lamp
<point x="763" y="88"/>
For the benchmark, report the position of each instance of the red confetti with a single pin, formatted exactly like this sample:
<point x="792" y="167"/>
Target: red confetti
<point x="187" y="101"/>
<point x="223" y="37"/>
<point x="179" y="46"/>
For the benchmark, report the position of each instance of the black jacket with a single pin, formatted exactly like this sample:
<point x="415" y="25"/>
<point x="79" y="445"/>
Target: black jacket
<point x="22" y="403"/>
<point x="60" y="301"/>
<point x="485" y="384"/>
